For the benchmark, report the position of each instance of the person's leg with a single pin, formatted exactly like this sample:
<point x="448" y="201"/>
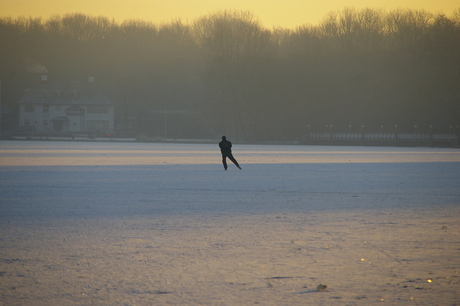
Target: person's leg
<point x="230" y="156"/>
<point x="224" y="161"/>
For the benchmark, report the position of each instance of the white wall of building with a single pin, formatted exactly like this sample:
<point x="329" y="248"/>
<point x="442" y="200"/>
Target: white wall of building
<point x="44" y="117"/>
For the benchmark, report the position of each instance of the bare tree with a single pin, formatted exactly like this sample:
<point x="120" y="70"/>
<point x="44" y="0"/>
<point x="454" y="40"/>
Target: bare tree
<point x="235" y="47"/>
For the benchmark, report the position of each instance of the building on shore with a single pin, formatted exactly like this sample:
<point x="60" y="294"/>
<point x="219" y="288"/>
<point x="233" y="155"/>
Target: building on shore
<point x="70" y="107"/>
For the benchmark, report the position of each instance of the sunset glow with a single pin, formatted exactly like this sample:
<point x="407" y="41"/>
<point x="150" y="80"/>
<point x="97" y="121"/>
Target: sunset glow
<point x="272" y="13"/>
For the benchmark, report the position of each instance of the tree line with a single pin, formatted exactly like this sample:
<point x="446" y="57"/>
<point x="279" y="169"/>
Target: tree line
<point x="225" y="73"/>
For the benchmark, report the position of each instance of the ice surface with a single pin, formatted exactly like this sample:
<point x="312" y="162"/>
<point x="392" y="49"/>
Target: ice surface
<point x="158" y="224"/>
<point x="87" y="178"/>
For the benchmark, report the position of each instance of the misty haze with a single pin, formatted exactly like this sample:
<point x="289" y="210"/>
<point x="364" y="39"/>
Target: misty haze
<point x="224" y="74"/>
<point x="347" y="133"/>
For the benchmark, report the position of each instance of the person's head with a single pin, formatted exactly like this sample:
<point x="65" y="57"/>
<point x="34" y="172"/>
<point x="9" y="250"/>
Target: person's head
<point x="224" y="138"/>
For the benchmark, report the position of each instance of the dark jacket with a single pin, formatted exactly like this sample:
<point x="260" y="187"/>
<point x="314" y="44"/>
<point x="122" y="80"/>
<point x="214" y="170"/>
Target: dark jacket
<point x="225" y="146"/>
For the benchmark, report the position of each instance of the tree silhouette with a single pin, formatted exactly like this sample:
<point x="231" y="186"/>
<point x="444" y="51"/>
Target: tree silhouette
<point x="226" y="74"/>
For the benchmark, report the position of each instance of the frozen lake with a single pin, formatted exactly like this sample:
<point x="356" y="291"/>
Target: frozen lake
<point x="89" y="178"/>
<point x="87" y="223"/>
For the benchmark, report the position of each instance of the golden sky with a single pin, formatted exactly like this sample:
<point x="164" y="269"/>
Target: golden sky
<point x="272" y="13"/>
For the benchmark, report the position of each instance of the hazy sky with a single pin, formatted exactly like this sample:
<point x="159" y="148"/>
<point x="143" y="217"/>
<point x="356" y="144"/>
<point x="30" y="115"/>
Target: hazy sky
<point x="284" y="13"/>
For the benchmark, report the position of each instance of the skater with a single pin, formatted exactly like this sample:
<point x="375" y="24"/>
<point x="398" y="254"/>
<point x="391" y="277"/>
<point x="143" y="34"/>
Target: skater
<point x="226" y="150"/>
